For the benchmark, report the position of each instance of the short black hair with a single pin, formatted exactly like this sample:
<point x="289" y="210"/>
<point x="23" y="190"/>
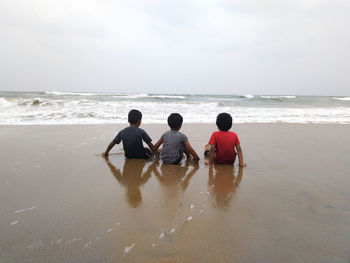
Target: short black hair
<point x="134" y="116"/>
<point x="175" y="120"/>
<point x="224" y="121"/>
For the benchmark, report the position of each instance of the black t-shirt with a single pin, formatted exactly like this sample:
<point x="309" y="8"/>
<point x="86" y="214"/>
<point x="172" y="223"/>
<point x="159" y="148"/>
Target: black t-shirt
<point x="132" y="142"/>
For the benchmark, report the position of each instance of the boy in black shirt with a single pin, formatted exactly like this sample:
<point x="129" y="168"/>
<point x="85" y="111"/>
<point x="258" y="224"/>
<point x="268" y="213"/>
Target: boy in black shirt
<point x="132" y="138"/>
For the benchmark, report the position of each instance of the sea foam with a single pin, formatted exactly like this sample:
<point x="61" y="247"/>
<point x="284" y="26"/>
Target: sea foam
<point x="52" y="108"/>
<point x="343" y="98"/>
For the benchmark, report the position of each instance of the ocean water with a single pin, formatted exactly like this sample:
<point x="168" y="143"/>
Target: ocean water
<point x="22" y="108"/>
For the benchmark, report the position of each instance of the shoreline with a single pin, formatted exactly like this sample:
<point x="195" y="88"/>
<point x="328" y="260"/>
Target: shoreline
<point x="199" y="123"/>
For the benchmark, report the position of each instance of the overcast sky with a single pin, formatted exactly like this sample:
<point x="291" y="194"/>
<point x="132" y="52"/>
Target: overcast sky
<point x="223" y="47"/>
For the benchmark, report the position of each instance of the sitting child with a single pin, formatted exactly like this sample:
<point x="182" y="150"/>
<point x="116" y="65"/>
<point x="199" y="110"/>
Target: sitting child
<point x="175" y="142"/>
<point x="132" y="138"/>
<point x="222" y="143"/>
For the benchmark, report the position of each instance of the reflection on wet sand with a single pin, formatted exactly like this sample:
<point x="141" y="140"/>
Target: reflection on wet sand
<point x="132" y="178"/>
<point x="222" y="184"/>
<point x="175" y="178"/>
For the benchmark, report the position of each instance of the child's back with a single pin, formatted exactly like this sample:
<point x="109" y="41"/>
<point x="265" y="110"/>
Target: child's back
<point x="174" y="146"/>
<point x="132" y="138"/>
<point x="224" y="143"/>
<point x="175" y="142"/>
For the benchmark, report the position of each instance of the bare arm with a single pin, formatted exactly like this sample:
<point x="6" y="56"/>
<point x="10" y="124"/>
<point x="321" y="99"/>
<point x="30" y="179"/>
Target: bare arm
<point x="151" y="146"/>
<point x="211" y="154"/>
<point x="109" y="147"/>
<point x="191" y="151"/>
<point x="240" y="156"/>
<point x="158" y="143"/>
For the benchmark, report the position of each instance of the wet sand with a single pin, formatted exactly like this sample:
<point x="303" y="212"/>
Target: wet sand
<point x="61" y="202"/>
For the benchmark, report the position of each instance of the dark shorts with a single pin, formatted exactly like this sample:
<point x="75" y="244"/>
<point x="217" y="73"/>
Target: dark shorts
<point x="141" y="156"/>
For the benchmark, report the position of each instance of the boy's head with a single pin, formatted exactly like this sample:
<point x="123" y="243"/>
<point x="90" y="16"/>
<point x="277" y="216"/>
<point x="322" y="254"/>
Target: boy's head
<point x="175" y="121"/>
<point x="224" y="121"/>
<point x="134" y="117"/>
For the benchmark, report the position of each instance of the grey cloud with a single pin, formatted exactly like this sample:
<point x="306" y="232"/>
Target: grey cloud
<point x="264" y="47"/>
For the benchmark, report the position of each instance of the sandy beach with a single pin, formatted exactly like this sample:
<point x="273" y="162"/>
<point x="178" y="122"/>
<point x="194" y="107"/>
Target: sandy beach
<point x="62" y="202"/>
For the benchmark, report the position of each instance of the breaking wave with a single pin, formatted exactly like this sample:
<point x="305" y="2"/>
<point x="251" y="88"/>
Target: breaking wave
<point x="97" y="108"/>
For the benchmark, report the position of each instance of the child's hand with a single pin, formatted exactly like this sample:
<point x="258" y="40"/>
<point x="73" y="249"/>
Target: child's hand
<point x="242" y="164"/>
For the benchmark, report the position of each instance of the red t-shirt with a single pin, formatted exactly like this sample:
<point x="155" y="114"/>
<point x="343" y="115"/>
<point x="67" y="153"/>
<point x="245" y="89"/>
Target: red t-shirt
<point x="224" y="142"/>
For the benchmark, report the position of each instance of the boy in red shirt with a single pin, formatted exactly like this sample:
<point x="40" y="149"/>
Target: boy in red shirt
<point x="222" y="143"/>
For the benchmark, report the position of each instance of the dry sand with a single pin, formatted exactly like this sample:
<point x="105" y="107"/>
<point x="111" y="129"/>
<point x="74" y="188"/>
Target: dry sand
<point x="61" y="202"/>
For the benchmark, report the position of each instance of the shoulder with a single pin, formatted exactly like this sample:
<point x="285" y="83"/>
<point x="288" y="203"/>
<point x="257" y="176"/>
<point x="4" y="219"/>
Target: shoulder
<point x="234" y="137"/>
<point x="144" y="134"/>
<point x="141" y="130"/>
<point x="233" y="134"/>
<point x="182" y="135"/>
<point x="123" y="130"/>
<point x="128" y="131"/>
<point x="215" y="133"/>
<point x="213" y="137"/>
<point x="166" y="133"/>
